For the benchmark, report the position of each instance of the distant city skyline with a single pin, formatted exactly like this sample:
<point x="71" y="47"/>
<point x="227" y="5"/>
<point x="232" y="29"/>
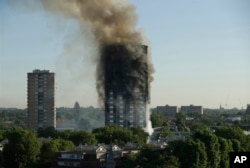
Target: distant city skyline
<point x="200" y="51"/>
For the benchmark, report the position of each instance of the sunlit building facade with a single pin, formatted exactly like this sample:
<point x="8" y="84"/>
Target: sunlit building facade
<point x="41" y="99"/>
<point x="167" y="111"/>
<point x="192" y="109"/>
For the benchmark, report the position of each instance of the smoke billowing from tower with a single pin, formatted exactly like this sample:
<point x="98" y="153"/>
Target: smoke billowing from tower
<point x="110" y="21"/>
<point x="123" y="70"/>
<point x="123" y="63"/>
<point x="124" y="84"/>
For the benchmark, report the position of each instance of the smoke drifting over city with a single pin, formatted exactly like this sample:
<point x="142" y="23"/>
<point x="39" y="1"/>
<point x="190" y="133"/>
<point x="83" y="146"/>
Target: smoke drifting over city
<point x="113" y="26"/>
<point x="111" y="21"/>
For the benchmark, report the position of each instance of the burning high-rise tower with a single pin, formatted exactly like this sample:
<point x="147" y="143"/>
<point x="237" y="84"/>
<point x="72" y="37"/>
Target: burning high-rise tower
<point x="125" y="73"/>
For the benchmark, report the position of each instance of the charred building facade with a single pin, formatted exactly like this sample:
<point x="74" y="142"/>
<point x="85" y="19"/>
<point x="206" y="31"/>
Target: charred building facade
<point x="125" y="89"/>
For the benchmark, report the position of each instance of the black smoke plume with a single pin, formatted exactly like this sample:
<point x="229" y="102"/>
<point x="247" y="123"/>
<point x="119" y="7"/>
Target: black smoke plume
<point x="124" y="71"/>
<point x="123" y="62"/>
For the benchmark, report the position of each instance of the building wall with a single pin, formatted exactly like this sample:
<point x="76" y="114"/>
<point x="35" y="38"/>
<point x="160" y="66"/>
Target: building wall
<point x="167" y="111"/>
<point x="192" y="109"/>
<point x="41" y="99"/>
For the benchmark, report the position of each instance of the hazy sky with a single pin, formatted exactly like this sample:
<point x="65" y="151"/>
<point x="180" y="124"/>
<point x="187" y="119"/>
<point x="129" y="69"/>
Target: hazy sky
<point x="200" y="50"/>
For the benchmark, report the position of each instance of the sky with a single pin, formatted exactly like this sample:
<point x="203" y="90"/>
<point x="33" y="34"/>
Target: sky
<point x="200" y="50"/>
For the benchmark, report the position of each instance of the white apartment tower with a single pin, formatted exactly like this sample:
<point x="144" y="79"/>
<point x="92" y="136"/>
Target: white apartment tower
<point x="41" y="99"/>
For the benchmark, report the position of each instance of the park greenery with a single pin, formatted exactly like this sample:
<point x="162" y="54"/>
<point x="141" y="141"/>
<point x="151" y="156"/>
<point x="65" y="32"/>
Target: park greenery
<point x="205" y="141"/>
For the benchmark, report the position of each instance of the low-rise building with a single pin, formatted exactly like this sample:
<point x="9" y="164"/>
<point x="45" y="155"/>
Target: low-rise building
<point x="167" y="111"/>
<point x="192" y="109"/>
<point x="93" y="156"/>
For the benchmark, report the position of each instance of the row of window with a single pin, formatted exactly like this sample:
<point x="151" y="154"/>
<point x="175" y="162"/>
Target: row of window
<point x="121" y="121"/>
<point x="122" y="111"/>
<point x="130" y="116"/>
<point x="121" y="106"/>
<point x="41" y="83"/>
<point x="67" y="163"/>
<point x="111" y="121"/>
<point x="112" y="116"/>
<point x="71" y="156"/>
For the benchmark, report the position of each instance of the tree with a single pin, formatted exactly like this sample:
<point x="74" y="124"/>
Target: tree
<point x="1" y="159"/>
<point x="247" y="145"/>
<point x="206" y="120"/>
<point x="79" y="137"/>
<point x="233" y="133"/>
<point x="140" y="134"/>
<point x="2" y="135"/>
<point x="171" y="162"/>
<point x="157" y="119"/>
<point x="230" y="133"/>
<point x="3" y="126"/>
<point x="192" y="154"/>
<point x="151" y="157"/>
<point x="22" y="149"/>
<point x="236" y="145"/>
<point x="49" y="149"/>
<point x="196" y="126"/>
<point x="115" y="133"/>
<point x="48" y="132"/>
<point x="225" y="148"/>
<point x="180" y="122"/>
<point x="165" y="132"/>
<point x="19" y="123"/>
<point x="129" y="160"/>
<point x="212" y="146"/>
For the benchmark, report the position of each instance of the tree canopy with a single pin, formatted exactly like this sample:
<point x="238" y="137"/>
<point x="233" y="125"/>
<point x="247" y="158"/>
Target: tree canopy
<point x="119" y="135"/>
<point x="78" y="137"/>
<point x="191" y="153"/>
<point x="22" y="149"/>
<point x="181" y="122"/>
<point x="212" y="146"/>
<point x="48" y="150"/>
<point x="158" y="120"/>
<point x="150" y="157"/>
